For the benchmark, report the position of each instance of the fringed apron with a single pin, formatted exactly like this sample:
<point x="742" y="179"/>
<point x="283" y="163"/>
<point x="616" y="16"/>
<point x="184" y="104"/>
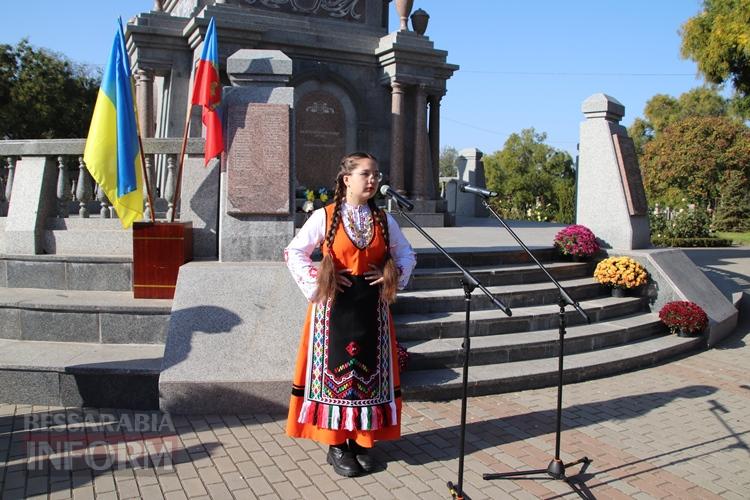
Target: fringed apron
<point x="345" y="383"/>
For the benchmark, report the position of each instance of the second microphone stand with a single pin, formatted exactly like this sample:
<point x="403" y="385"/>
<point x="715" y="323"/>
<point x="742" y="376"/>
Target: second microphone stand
<point x="556" y="467"/>
<point x="469" y="283"/>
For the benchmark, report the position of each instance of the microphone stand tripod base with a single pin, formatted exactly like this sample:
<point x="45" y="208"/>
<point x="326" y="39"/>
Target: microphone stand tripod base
<point x="455" y="494"/>
<point x="555" y="469"/>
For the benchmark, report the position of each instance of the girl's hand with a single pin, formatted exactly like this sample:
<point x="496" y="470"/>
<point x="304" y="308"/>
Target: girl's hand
<point x="375" y="276"/>
<point x="341" y="280"/>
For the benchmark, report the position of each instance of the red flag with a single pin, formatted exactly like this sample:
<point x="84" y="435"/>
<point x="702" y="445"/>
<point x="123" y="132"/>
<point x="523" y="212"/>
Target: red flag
<point x="207" y="93"/>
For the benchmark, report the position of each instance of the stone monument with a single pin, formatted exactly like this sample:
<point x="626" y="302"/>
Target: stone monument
<point x="355" y="86"/>
<point x="610" y="197"/>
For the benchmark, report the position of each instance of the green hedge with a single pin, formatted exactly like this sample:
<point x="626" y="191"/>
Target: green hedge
<point x="690" y="242"/>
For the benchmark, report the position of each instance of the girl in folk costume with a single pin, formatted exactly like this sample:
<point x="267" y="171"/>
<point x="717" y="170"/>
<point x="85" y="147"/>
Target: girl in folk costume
<point x="346" y="391"/>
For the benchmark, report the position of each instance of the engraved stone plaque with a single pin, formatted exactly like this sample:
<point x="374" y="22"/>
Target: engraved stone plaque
<point x="258" y="174"/>
<point x="321" y="138"/>
<point x="630" y="174"/>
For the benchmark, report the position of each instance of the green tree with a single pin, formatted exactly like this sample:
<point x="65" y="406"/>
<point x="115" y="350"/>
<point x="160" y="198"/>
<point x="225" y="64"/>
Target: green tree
<point x="448" y="161"/>
<point x="641" y="132"/>
<point x="527" y="172"/>
<point x="718" y="40"/>
<point x="733" y="212"/>
<point x="663" y="110"/>
<point x="43" y="95"/>
<point x="689" y="158"/>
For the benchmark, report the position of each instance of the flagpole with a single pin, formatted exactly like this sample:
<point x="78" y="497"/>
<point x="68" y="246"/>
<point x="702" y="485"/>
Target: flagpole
<point x="146" y="179"/>
<point x="180" y="163"/>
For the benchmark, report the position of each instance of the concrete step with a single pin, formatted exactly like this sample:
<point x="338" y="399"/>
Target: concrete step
<point x="525" y="319"/>
<point x="446" y="383"/>
<point x="61" y="272"/>
<point x="448" y="353"/>
<point x="80" y="374"/>
<point x="514" y="296"/>
<point x="449" y="277"/>
<point x="73" y="236"/>
<point x="82" y="316"/>
<point x="473" y="257"/>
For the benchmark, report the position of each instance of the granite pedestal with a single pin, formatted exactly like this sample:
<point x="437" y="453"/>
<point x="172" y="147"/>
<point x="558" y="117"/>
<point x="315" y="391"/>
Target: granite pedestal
<point x="232" y="339"/>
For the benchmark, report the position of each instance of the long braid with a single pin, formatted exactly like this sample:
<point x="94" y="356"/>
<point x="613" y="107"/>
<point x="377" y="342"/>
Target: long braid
<point x="390" y="273"/>
<point x="327" y="271"/>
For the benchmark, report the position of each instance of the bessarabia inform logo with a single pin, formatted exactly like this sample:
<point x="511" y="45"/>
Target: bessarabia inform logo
<point x="68" y="440"/>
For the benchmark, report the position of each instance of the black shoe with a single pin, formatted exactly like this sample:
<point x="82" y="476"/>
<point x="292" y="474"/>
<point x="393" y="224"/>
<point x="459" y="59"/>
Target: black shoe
<point x="365" y="460"/>
<point x="343" y="461"/>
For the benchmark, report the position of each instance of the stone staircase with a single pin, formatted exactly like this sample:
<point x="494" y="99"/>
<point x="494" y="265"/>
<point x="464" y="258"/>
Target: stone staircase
<point x="520" y="352"/>
<point x="72" y="334"/>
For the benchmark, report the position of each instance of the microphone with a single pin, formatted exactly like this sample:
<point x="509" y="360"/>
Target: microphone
<point x="484" y="193"/>
<point x="402" y="201"/>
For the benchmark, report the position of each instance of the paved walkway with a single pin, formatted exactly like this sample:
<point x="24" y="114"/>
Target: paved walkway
<point x="677" y="430"/>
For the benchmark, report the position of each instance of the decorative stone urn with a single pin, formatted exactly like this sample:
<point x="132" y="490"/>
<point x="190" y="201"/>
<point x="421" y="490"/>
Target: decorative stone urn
<point x="419" y="21"/>
<point x="403" y="7"/>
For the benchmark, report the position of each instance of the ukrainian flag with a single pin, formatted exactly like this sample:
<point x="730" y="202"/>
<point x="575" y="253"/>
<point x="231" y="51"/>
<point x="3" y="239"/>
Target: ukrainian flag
<point x="112" y="152"/>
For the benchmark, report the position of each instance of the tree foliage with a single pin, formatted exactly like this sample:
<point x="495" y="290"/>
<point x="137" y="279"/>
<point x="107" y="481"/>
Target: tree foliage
<point x="531" y="175"/>
<point x="663" y="110"/>
<point x="733" y="212"/>
<point x="718" y="40"/>
<point x="690" y="157"/>
<point x="43" y="95"/>
<point x="448" y="161"/>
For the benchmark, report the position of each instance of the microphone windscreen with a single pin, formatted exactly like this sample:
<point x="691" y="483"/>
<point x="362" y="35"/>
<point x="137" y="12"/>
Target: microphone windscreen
<point x="384" y="189"/>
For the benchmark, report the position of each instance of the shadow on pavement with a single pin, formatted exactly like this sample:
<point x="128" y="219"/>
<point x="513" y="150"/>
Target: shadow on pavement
<point x="428" y="446"/>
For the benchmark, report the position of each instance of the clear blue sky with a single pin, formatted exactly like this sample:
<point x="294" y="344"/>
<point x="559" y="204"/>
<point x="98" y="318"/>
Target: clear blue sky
<point x="523" y="63"/>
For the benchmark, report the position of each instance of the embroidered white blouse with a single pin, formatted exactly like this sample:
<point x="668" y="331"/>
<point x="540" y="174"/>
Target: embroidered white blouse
<point x="310" y="236"/>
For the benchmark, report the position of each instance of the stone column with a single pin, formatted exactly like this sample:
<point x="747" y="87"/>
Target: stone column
<point x="257" y="218"/>
<point x="420" y="147"/>
<point x="397" y="137"/>
<point x="470" y="169"/>
<point x="144" y="96"/>
<point x="434" y="137"/>
<point x="610" y="199"/>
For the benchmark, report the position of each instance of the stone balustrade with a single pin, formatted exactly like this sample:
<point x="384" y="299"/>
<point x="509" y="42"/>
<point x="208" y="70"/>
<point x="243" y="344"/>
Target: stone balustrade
<point x="77" y="194"/>
<point x="44" y="183"/>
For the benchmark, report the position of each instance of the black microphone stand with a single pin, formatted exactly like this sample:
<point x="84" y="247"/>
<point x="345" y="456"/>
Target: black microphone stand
<point x="469" y="283"/>
<point x="556" y="468"/>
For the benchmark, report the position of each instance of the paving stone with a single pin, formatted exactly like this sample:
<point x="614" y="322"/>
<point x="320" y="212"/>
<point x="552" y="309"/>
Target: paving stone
<point x="169" y="482"/>
<point x="209" y="475"/>
<point x="219" y="491"/>
<point x="175" y="495"/>
<point x="193" y="487"/>
<point x="260" y="486"/>
<point x="151" y="491"/>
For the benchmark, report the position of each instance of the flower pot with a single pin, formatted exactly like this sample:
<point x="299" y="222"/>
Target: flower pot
<point x="618" y="292"/>
<point x="580" y="258"/>
<point x="683" y="333"/>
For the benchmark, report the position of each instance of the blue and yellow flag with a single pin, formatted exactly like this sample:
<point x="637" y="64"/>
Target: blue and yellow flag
<point x="112" y="152"/>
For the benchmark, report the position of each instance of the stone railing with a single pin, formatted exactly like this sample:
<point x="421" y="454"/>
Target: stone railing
<point x="76" y="193"/>
<point x="50" y="204"/>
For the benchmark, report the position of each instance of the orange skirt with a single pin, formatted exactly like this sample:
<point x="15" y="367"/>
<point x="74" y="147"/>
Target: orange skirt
<point x="365" y="438"/>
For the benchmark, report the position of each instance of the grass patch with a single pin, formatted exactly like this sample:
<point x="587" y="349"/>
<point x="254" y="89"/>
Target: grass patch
<point x="739" y="238"/>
